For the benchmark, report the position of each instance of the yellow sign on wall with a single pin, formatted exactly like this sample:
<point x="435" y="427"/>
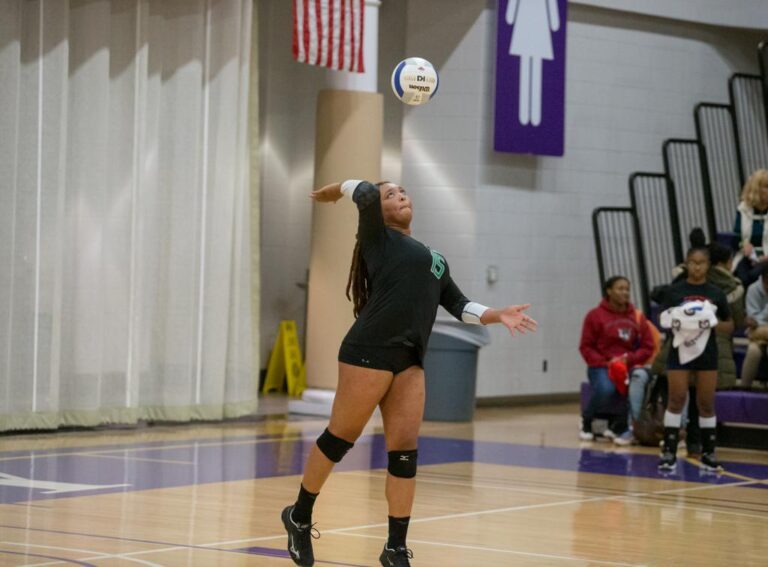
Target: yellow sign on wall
<point x="286" y="362"/>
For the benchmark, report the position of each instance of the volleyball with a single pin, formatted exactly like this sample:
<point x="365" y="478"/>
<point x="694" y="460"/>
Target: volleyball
<point x="415" y="81"/>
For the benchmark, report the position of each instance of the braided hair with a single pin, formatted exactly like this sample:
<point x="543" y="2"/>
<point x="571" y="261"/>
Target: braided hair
<point x="359" y="283"/>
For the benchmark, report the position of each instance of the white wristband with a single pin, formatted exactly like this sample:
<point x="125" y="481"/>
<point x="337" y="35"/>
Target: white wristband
<point x="349" y="186"/>
<point x="472" y="313"/>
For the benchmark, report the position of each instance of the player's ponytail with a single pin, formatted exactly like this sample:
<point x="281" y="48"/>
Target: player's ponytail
<point x="358" y="280"/>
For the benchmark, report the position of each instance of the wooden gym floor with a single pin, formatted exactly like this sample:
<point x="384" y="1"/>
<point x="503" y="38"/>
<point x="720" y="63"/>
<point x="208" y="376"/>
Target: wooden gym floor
<point x="515" y="487"/>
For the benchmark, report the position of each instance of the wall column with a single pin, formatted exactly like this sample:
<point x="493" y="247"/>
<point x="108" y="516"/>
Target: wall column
<point x="349" y="124"/>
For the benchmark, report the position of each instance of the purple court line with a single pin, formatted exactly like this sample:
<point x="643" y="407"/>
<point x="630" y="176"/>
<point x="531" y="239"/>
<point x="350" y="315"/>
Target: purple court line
<point x="272" y="552"/>
<point x="259" y="550"/>
<point x="152" y="444"/>
<point x="266" y="551"/>
<point x="74" y="561"/>
<point x="276" y="457"/>
<point x="499" y="454"/>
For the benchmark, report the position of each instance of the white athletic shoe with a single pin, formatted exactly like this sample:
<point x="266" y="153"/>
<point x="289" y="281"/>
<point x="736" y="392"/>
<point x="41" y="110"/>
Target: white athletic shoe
<point x="586" y="435"/>
<point x="625" y="439"/>
<point x="585" y="431"/>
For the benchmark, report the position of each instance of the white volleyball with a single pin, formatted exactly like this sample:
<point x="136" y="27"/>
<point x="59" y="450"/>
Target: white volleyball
<point x="415" y="81"/>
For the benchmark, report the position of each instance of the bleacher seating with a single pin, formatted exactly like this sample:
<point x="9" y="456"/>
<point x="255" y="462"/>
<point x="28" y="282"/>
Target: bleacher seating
<point x="742" y="416"/>
<point x="645" y="240"/>
<point x="742" y="419"/>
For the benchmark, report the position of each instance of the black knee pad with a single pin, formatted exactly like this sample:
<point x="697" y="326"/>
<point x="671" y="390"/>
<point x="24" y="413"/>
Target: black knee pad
<point x="402" y="464"/>
<point x="333" y="447"/>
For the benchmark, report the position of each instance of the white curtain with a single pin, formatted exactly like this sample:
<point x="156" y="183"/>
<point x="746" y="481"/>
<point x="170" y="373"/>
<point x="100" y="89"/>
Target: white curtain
<point x="124" y="212"/>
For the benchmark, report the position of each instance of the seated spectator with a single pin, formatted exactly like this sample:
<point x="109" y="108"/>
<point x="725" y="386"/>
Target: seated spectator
<point x="720" y="275"/>
<point x="750" y="226"/>
<point x="757" y="328"/>
<point x="617" y="336"/>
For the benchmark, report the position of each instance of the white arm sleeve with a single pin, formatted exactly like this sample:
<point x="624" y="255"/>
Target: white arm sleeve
<point x="349" y="186"/>
<point x="472" y="313"/>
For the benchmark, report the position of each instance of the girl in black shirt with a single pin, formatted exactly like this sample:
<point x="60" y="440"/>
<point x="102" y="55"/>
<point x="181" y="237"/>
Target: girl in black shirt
<point x="703" y="367"/>
<point x="397" y="284"/>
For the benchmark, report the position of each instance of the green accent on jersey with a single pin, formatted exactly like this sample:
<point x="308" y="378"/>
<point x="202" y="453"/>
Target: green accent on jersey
<point x="438" y="264"/>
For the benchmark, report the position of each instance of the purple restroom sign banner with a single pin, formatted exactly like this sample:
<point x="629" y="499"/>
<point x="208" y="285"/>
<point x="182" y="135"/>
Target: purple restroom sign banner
<point x="530" y="77"/>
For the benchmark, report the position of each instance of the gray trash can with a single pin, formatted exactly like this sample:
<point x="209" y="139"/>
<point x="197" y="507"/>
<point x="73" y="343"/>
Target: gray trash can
<point x="450" y="369"/>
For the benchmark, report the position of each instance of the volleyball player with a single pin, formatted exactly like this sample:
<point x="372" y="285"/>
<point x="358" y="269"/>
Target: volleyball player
<point x="396" y="284"/>
<point x="703" y="367"/>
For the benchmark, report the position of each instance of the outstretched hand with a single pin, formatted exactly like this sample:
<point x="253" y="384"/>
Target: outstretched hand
<point x="327" y="194"/>
<point x="514" y="319"/>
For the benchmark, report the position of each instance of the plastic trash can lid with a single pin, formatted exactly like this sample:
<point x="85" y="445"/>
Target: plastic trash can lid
<point x="476" y="335"/>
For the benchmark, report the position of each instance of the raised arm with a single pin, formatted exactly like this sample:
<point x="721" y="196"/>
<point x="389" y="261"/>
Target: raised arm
<point x="327" y="194"/>
<point x="367" y="198"/>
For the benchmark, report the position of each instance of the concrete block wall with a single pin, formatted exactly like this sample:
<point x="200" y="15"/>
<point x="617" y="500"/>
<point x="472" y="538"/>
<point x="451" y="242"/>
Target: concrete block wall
<point x="632" y="80"/>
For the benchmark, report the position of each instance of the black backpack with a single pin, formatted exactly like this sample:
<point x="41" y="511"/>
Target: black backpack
<point x="648" y="429"/>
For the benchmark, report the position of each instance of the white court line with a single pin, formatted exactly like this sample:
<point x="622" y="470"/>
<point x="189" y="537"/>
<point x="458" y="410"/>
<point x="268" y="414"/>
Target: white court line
<point x="59" y="548"/>
<point x="499" y="510"/>
<point x="53" y="547"/>
<point x="564" y="492"/>
<point x="113" y="556"/>
<point x="509" y="551"/>
<point x="695" y="488"/>
<point x="246" y="540"/>
<point x="481" y="513"/>
<point x="417" y="520"/>
<point x="190" y="445"/>
<point x="126" y="458"/>
<point x="344" y="531"/>
<point x="743" y="482"/>
<point x="632" y="497"/>
<point x="694" y="508"/>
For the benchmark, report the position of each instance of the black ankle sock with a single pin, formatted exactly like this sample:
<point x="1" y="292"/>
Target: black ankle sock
<point x="708" y="440"/>
<point x="302" y="512"/>
<point x="671" y="436"/>
<point x="398" y="529"/>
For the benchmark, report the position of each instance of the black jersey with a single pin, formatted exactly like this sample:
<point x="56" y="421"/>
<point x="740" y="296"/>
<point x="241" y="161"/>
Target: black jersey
<point x="407" y="280"/>
<point x="682" y="291"/>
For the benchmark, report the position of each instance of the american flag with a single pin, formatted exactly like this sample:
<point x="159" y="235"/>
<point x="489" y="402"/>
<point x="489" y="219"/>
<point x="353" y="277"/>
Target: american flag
<point x="329" y="33"/>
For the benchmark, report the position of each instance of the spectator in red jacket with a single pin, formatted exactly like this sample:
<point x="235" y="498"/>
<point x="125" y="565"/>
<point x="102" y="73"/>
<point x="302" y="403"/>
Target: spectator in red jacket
<point x="617" y="336"/>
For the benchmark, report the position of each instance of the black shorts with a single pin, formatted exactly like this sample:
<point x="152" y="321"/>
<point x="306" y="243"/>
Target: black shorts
<point x="392" y="358"/>
<point x="707" y="360"/>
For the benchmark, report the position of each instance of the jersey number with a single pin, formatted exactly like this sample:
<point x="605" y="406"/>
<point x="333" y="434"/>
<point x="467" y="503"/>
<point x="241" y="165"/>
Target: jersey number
<point x="438" y="264"/>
